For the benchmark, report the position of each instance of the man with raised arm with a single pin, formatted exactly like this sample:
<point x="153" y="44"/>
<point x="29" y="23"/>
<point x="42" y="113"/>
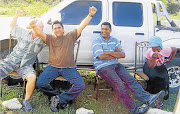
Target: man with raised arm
<point x="61" y="62"/>
<point x="23" y="56"/>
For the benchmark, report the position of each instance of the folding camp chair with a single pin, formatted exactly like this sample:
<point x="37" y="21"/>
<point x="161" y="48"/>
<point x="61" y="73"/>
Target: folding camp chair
<point x="13" y="74"/>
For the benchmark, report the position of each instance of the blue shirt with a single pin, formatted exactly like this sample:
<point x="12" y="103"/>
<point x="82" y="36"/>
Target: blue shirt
<point x="26" y="49"/>
<point x="99" y="45"/>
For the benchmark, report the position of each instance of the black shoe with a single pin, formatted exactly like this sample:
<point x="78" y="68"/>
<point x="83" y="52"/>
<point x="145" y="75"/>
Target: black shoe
<point x="154" y="97"/>
<point x="54" y="103"/>
<point x="166" y="96"/>
<point x="142" y="110"/>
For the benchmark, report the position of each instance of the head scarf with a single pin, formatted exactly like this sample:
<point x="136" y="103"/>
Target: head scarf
<point x="155" y="41"/>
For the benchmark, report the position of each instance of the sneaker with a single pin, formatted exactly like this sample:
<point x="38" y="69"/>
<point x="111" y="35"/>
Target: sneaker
<point x="142" y="110"/>
<point x="158" y="104"/>
<point x="27" y="105"/>
<point x="166" y="96"/>
<point x="54" y="103"/>
<point x="154" y="97"/>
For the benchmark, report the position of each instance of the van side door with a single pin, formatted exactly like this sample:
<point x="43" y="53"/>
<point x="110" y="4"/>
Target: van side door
<point x="129" y="24"/>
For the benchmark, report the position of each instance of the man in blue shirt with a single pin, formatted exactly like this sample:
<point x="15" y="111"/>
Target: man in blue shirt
<point x="106" y="51"/>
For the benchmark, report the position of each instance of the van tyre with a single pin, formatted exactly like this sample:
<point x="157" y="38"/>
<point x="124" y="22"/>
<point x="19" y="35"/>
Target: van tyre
<point x="173" y="69"/>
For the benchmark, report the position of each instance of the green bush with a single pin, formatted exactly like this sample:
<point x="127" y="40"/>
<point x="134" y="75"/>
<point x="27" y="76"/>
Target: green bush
<point x="29" y="1"/>
<point x="173" y="8"/>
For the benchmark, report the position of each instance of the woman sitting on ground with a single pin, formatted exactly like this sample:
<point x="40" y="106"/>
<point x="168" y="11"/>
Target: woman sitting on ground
<point x="154" y="67"/>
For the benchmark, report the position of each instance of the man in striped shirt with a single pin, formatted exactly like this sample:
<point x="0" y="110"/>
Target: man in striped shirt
<point x="106" y="51"/>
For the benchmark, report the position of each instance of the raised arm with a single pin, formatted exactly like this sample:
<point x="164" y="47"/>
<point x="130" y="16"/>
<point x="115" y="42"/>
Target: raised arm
<point x="37" y="30"/>
<point x="14" y="21"/>
<point x="85" y="22"/>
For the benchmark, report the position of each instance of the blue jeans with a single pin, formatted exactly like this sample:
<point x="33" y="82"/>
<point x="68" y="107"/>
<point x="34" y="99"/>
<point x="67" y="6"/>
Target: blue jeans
<point x="115" y="75"/>
<point x="70" y="74"/>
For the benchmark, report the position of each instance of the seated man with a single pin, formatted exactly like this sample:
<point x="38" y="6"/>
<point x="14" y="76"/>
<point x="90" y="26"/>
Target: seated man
<point x="23" y="56"/>
<point x="61" y="62"/>
<point x="106" y="49"/>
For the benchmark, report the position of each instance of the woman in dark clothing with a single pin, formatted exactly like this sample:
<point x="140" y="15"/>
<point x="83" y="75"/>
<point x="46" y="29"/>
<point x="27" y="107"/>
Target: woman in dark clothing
<point x="154" y="67"/>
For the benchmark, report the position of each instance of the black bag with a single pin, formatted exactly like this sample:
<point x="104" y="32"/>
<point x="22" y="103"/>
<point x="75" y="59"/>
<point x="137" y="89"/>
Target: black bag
<point x="13" y="80"/>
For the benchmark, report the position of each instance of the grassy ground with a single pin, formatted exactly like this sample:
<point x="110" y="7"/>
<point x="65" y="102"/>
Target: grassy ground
<point x="29" y="9"/>
<point x="106" y="104"/>
<point x="175" y="16"/>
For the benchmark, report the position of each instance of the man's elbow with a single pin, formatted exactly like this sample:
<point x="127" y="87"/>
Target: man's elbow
<point x="100" y="57"/>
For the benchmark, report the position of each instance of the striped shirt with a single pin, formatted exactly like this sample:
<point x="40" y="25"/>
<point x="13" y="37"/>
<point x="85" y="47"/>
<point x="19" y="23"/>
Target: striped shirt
<point x="99" y="45"/>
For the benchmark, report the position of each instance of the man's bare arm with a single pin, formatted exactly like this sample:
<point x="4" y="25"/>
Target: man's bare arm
<point x="85" y="22"/>
<point x="116" y="54"/>
<point x="105" y="57"/>
<point x="14" y="21"/>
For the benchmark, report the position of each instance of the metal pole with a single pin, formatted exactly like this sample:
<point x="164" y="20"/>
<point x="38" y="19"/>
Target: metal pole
<point x="177" y="105"/>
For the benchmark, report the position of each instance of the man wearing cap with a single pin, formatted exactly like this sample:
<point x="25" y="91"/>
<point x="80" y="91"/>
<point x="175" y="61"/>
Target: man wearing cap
<point x="23" y="56"/>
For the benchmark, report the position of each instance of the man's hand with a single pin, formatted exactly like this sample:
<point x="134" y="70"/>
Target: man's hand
<point x="33" y="23"/>
<point x="19" y="12"/>
<point x="92" y="10"/>
<point x="118" y="49"/>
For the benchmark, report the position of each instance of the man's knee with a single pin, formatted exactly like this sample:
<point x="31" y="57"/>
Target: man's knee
<point x="31" y="77"/>
<point x="41" y="84"/>
<point x="81" y="85"/>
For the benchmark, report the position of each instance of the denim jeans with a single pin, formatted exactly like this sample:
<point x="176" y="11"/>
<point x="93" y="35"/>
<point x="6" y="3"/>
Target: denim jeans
<point x="70" y="74"/>
<point x="115" y="75"/>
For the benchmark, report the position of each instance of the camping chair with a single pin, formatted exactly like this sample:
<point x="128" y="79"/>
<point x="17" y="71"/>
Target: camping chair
<point x="14" y="74"/>
<point x="97" y="82"/>
<point x="44" y="54"/>
<point x="60" y="78"/>
<point x="140" y="49"/>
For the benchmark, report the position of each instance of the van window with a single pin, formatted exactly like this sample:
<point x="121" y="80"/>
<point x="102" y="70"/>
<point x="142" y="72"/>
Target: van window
<point x="74" y="13"/>
<point x="127" y="14"/>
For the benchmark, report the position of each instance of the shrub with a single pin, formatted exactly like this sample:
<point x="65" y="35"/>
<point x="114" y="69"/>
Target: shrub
<point x="173" y="7"/>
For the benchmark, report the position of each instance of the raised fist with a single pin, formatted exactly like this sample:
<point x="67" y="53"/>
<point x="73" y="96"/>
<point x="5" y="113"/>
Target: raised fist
<point x="92" y="10"/>
<point x="19" y="12"/>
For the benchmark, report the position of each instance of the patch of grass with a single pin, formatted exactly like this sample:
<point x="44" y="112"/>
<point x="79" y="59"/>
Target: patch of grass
<point x="29" y="9"/>
<point x="107" y="100"/>
<point x="176" y="16"/>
